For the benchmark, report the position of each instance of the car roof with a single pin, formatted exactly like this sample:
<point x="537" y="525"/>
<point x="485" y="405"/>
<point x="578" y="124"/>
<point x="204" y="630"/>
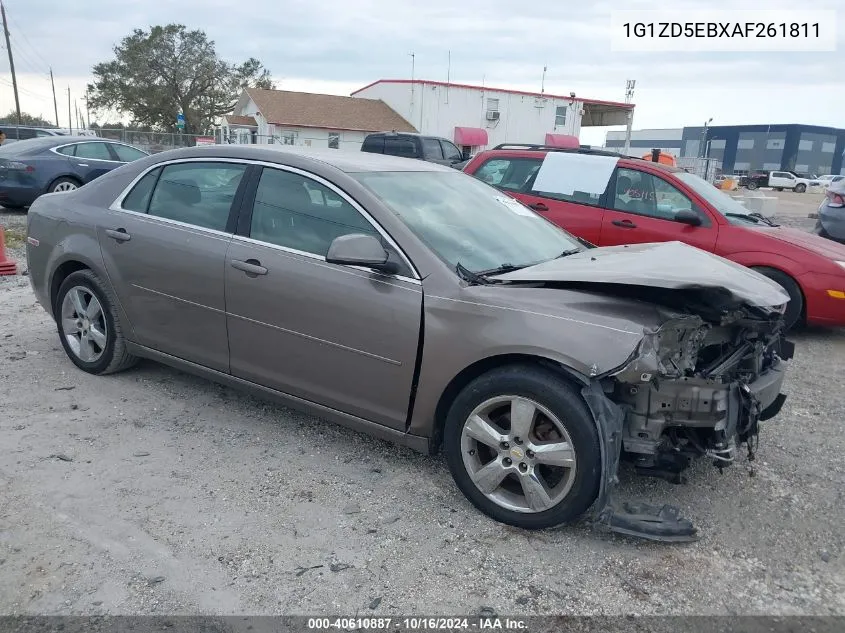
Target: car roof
<point x="539" y="151"/>
<point x="35" y="145"/>
<point x="347" y="161"/>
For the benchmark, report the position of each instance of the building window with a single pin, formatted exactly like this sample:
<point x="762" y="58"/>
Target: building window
<point x="771" y="166"/>
<point x="745" y="143"/>
<point x="741" y="167"/>
<point x="805" y="146"/>
<point x="802" y="169"/>
<point x="828" y="148"/>
<point x="560" y="116"/>
<point x="774" y="143"/>
<point x="492" y="105"/>
<point x="334" y="140"/>
<point x="824" y="170"/>
<point x="288" y="138"/>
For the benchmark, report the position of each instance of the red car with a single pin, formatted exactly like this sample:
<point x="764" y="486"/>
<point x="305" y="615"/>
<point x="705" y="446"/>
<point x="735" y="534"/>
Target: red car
<point x="609" y="199"/>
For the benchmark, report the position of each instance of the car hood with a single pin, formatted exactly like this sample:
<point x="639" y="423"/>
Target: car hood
<point x="669" y="265"/>
<point x="808" y="241"/>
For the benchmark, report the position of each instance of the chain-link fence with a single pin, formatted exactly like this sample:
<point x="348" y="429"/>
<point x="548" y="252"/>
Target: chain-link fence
<point x="154" y="142"/>
<point x="707" y="168"/>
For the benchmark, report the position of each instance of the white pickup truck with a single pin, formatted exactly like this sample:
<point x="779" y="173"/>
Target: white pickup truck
<point x="780" y="180"/>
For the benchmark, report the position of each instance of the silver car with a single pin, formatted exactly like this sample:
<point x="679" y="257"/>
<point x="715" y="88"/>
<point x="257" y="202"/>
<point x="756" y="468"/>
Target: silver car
<point x="416" y="303"/>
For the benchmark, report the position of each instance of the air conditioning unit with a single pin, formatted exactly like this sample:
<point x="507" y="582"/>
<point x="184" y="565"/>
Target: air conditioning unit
<point x="492" y="115"/>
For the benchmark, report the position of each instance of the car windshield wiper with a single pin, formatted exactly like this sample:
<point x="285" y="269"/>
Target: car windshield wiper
<point x="572" y="251"/>
<point x="504" y="268"/>
<point x="467" y="275"/>
<point x="763" y="218"/>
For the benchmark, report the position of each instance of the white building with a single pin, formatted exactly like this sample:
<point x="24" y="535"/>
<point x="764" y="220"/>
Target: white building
<point x="669" y="140"/>
<point x="477" y="117"/>
<point x="302" y="118"/>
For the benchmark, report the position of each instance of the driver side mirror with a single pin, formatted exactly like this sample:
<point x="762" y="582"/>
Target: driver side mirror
<point x="359" y="249"/>
<point x="688" y="216"/>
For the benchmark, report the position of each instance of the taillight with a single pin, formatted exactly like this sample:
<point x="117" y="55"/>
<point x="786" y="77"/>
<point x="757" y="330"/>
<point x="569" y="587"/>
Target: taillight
<point x="835" y="200"/>
<point x="17" y="166"/>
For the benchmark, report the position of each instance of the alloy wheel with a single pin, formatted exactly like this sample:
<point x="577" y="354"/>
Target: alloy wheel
<point x="66" y="186"/>
<point x="84" y="324"/>
<point x="518" y="454"/>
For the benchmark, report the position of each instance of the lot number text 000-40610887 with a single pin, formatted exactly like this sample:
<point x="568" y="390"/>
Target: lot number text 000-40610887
<point x="738" y="31"/>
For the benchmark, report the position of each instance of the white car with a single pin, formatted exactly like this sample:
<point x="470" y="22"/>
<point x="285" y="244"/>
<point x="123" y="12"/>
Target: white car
<point x="829" y="179"/>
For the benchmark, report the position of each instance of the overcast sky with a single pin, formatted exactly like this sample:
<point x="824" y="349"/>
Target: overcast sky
<point x="337" y="46"/>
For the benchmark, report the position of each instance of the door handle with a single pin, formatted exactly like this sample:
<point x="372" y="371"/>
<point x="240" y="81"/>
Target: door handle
<point x="538" y="206"/>
<point x="119" y="235"/>
<point x="252" y="267"/>
<point x="82" y="164"/>
<point x="625" y="224"/>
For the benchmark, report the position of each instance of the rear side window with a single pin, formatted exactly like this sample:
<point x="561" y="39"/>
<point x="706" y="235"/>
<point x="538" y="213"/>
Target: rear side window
<point x="25" y="133"/>
<point x="374" y="144"/>
<point x="510" y="174"/>
<point x="450" y="152"/>
<point x="94" y="151"/>
<point x="67" y="150"/>
<point x="400" y="147"/>
<point x="139" y="198"/>
<point x="197" y="193"/>
<point x="431" y="149"/>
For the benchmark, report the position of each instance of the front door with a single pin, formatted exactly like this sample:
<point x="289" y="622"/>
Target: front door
<point x="643" y="209"/>
<point x="341" y="336"/>
<point x="165" y="250"/>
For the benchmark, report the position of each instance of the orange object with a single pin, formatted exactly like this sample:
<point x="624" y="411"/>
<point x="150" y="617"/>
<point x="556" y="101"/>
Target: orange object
<point x="7" y="266"/>
<point x="662" y="157"/>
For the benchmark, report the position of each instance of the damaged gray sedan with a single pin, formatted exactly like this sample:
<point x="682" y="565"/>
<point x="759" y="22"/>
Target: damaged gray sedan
<point x="415" y="303"/>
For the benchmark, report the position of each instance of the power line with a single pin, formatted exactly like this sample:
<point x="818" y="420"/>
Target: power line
<point x="29" y="44"/>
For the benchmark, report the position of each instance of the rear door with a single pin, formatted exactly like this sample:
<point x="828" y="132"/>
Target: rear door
<point x="92" y="159"/>
<point x="164" y="247"/>
<point x="781" y="179"/>
<point x="642" y="209"/>
<point x="432" y="151"/>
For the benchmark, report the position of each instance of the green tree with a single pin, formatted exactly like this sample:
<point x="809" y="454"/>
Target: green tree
<point x="26" y="119"/>
<point x="158" y="73"/>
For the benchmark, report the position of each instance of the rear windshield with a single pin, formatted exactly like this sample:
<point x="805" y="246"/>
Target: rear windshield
<point x="19" y="148"/>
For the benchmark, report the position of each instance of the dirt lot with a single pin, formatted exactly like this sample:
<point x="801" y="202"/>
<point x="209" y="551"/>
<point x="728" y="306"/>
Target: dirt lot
<point x="156" y="492"/>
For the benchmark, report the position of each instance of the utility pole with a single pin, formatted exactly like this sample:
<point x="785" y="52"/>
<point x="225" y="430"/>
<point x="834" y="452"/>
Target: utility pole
<point x="79" y="124"/>
<point x="543" y="81"/>
<point x="87" y="110"/>
<point x="69" y="118"/>
<point x="55" y="103"/>
<point x="413" y="59"/>
<point x="629" y="98"/>
<point x="11" y="62"/>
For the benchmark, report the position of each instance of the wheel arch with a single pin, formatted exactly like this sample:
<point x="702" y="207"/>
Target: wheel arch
<point x="778" y="269"/>
<point x="480" y="367"/>
<point x="60" y="273"/>
<point x="67" y="176"/>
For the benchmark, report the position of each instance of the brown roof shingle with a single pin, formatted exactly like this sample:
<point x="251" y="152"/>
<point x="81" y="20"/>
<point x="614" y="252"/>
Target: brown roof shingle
<point x="305" y="109"/>
<point x="233" y="119"/>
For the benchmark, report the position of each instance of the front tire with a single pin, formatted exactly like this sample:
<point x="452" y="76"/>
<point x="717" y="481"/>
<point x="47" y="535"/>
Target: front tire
<point x="751" y="186"/>
<point x="795" y="307"/>
<point x="800" y="188"/>
<point x="89" y="328"/>
<point x="522" y="446"/>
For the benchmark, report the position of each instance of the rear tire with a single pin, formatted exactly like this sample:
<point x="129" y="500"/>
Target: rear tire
<point x="800" y="188"/>
<point x="89" y="328"/>
<point x="795" y="307"/>
<point x="554" y="441"/>
<point x="63" y="184"/>
<point x="751" y="186"/>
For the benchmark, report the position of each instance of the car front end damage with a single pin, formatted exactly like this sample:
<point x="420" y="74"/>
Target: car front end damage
<point x="697" y="386"/>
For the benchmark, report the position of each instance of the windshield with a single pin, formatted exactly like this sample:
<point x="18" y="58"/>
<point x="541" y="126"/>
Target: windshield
<point x="467" y="222"/>
<point x="719" y="200"/>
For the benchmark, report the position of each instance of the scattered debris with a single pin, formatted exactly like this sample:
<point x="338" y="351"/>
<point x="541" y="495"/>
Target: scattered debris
<point x="825" y="556"/>
<point x="141" y="454"/>
<point x="352" y="508"/>
<point x="302" y="570"/>
<point x="74" y="407"/>
<point x="64" y="388"/>
<point x="375" y="603"/>
<point x="487" y="612"/>
<point x="340" y="566"/>
<point x="156" y="580"/>
<point x="62" y="457"/>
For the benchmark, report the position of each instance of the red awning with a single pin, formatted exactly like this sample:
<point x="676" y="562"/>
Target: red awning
<point x="471" y="136"/>
<point x="562" y="140"/>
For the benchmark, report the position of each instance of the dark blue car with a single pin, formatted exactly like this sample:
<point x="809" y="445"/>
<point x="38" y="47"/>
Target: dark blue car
<point x="56" y="163"/>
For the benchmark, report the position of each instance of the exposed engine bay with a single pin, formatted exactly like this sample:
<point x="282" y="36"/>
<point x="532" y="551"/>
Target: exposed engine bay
<point x="697" y="386"/>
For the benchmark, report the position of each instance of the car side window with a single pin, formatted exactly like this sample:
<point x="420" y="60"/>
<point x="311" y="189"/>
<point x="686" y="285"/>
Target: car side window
<point x="450" y="152"/>
<point x="509" y="174"/>
<point x="26" y="133"/>
<point x="67" y="150"/>
<point x="197" y="193"/>
<point x="127" y="154"/>
<point x="139" y="198"/>
<point x="400" y="147"/>
<point x="93" y="151"/>
<point x="646" y="194"/>
<point x="431" y="149"/>
<point x="296" y="212"/>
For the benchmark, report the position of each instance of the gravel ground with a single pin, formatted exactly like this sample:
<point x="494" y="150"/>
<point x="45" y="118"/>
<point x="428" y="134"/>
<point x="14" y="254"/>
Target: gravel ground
<point x="153" y="491"/>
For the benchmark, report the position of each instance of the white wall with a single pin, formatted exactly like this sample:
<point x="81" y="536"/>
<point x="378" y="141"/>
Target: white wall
<point x="438" y="110"/>
<point x="319" y="137"/>
<point x="670" y="134"/>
